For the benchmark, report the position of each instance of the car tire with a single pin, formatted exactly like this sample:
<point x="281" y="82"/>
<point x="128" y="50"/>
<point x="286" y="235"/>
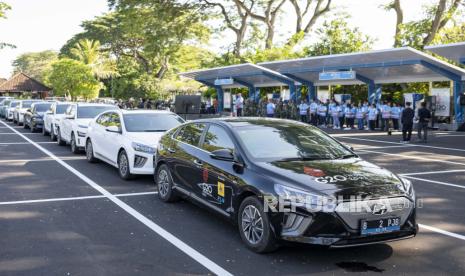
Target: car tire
<point x="123" y="166"/>
<point x="25" y="126"/>
<point x="254" y="226"/>
<point x="73" y="146"/>
<point x="90" y="152"/>
<point x="44" y="132"/>
<point x="53" y="137"/>
<point x="60" y="142"/>
<point x="33" y="129"/>
<point x="164" y="183"/>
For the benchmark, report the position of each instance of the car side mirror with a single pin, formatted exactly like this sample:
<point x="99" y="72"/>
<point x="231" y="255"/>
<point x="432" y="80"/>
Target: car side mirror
<point x="113" y="129"/>
<point x="28" y="110"/>
<point x="222" y="154"/>
<point x="69" y="117"/>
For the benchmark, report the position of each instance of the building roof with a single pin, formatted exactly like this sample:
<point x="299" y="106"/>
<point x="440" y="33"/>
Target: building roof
<point x="242" y="75"/>
<point x="397" y="65"/>
<point x="21" y="82"/>
<point x="452" y="51"/>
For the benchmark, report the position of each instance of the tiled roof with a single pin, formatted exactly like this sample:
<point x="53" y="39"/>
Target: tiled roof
<point x="22" y="83"/>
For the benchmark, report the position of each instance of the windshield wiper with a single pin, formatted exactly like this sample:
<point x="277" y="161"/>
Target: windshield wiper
<point x="346" y="156"/>
<point x="155" y="130"/>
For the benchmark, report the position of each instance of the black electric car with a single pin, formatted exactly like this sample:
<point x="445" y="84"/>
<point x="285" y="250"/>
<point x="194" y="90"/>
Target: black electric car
<point x="284" y="180"/>
<point x="34" y="116"/>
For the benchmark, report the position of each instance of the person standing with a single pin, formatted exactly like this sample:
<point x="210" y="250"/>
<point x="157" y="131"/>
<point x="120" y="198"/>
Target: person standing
<point x="406" y="119"/>
<point x="322" y="111"/>
<point x="270" y="108"/>
<point x="303" y="110"/>
<point x="350" y="116"/>
<point x="386" y="115"/>
<point x="239" y="104"/>
<point x="395" y="115"/>
<point x="424" y="116"/>
<point x="360" y="115"/>
<point x="372" y="116"/>
<point x="335" y="112"/>
<point x="313" y="113"/>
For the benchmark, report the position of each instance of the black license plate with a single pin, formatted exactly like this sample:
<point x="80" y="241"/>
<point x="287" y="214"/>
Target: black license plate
<point x="380" y="226"/>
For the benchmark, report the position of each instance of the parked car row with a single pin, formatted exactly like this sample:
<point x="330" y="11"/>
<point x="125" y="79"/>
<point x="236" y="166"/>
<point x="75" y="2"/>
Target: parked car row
<point x="277" y="180"/>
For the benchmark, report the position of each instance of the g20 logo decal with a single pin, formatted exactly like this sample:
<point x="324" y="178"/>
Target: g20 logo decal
<point x="206" y="189"/>
<point x="331" y="179"/>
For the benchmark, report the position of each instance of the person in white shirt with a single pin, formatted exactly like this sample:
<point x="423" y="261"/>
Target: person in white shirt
<point x="270" y="107"/>
<point x="313" y="112"/>
<point x="239" y="104"/>
<point x="303" y="110"/>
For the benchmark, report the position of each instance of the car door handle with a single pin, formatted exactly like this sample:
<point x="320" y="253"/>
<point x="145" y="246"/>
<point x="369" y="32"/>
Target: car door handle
<point x="198" y="162"/>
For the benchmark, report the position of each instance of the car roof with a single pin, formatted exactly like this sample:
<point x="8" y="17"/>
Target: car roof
<point x="94" y="104"/>
<point x="145" y="111"/>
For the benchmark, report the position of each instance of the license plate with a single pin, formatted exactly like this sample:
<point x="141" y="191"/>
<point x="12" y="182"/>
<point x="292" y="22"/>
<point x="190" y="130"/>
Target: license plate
<point x="379" y="226"/>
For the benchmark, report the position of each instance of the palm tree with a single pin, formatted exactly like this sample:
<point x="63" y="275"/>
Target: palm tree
<point x="88" y="52"/>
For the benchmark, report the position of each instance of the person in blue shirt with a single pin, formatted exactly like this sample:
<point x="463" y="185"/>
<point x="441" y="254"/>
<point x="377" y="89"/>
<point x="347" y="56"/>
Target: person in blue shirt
<point x="322" y="112"/>
<point x="270" y="108"/>
<point x="303" y="110"/>
<point x="360" y="115"/>
<point x="313" y="113"/>
<point x="335" y="113"/>
<point x="386" y="115"/>
<point x="372" y="116"/>
<point x="350" y="116"/>
<point x="395" y="115"/>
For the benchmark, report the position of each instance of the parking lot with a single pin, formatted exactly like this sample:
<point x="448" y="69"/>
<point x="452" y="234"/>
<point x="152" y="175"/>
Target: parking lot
<point x="60" y="215"/>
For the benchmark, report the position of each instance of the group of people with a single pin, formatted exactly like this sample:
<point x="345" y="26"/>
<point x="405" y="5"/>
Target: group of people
<point x="384" y="116"/>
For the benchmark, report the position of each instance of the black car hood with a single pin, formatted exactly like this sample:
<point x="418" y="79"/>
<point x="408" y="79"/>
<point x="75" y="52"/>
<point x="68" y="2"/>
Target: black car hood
<point x="346" y="177"/>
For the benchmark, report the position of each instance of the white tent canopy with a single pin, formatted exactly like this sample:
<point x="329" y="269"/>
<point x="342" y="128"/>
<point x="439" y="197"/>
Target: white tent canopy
<point x="453" y="51"/>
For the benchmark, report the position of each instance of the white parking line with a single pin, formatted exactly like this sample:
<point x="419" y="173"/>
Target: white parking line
<point x="444" y="232"/>
<point x="15" y="133"/>
<point x="67" y="158"/>
<point x="432" y="172"/>
<point x="72" y="198"/>
<point x="396" y="143"/>
<point x="194" y="254"/>
<point x="414" y="157"/>
<point x="435" y="182"/>
<point x="26" y="143"/>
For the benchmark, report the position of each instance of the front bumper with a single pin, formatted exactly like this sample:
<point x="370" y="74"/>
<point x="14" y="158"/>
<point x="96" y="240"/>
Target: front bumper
<point x="332" y="229"/>
<point x="37" y="123"/>
<point x="141" y="163"/>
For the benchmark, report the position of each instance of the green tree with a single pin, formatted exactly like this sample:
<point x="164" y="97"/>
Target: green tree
<point x="4" y="7"/>
<point x="337" y="37"/>
<point x="88" y="52"/>
<point x="36" y="65"/>
<point x="74" y="79"/>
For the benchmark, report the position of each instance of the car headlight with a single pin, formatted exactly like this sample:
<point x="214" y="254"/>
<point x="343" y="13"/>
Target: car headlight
<point x="81" y="133"/>
<point x="83" y="126"/>
<point x="406" y="186"/>
<point x="304" y="198"/>
<point x="143" y="148"/>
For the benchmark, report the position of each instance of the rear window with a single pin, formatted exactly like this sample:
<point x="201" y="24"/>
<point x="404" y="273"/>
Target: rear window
<point x="61" y="108"/>
<point x="27" y="104"/>
<point x="14" y="104"/>
<point x="42" y="107"/>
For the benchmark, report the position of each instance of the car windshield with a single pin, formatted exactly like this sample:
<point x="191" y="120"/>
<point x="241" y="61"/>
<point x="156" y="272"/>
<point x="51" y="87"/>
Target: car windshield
<point x="151" y="122"/>
<point x="6" y="102"/>
<point x="14" y="104"/>
<point x="61" y="108"/>
<point x="88" y="112"/>
<point x="27" y="104"/>
<point x="42" y="107"/>
<point x="270" y="141"/>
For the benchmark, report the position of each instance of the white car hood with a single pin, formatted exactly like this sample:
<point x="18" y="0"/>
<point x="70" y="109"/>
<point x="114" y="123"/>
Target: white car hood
<point x="83" y="122"/>
<point x="146" y="138"/>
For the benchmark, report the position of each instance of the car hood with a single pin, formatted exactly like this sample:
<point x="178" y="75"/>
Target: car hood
<point x="345" y="177"/>
<point x="83" y="122"/>
<point x="146" y="138"/>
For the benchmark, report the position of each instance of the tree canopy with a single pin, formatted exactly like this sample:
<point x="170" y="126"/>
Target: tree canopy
<point x="36" y="65"/>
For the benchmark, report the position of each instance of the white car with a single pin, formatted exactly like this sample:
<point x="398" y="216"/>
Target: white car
<point x="127" y="139"/>
<point x="72" y="129"/>
<point x="10" y="110"/>
<point x="20" y="110"/>
<point x="53" y="117"/>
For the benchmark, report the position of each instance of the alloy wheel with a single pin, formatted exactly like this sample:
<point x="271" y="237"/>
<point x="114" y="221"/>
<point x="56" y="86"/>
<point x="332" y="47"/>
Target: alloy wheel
<point x="163" y="183"/>
<point x="252" y="224"/>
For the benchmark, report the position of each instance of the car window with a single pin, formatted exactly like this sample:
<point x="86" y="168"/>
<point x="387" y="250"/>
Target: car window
<point x="92" y="111"/>
<point x="41" y="107"/>
<point x="103" y="119"/>
<point x="191" y="134"/>
<point x="60" y="108"/>
<point x="151" y="122"/>
<point x="114" y="120"/>
<point x="217" y="138"/>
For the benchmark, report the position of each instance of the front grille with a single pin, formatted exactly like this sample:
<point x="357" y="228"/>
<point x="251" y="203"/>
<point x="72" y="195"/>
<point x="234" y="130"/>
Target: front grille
<point x="139" y="161"/>
<point x="348" y="212"/>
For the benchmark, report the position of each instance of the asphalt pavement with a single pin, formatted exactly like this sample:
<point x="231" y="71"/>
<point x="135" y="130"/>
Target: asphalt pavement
<point x="60" y="215"/>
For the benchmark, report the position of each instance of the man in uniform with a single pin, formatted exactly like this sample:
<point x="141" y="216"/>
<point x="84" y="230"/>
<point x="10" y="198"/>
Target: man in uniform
<point x="386" y="116"/>
<point x="322" y="111"/>
<point x="395" y="115"/>
<point x="303" y="110"/>
<point x="313" y="113"/>
<point x="350" y="116"/>
<point x="407" y="122"/>
<point x="372" y="116"/>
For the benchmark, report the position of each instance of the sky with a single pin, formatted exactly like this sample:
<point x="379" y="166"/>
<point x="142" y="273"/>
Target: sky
<point x="37" y="25"/>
